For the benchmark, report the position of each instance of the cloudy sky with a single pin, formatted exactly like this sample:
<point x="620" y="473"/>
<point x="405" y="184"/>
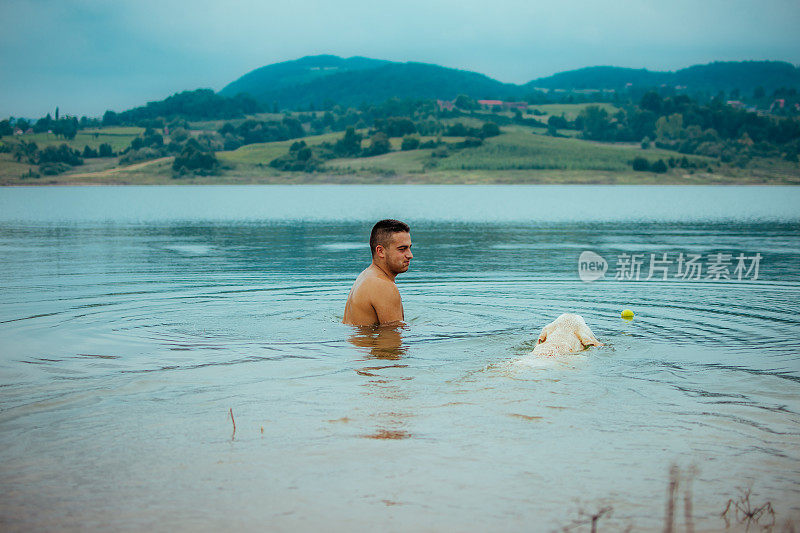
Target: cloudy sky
<point x="86" y="56"/>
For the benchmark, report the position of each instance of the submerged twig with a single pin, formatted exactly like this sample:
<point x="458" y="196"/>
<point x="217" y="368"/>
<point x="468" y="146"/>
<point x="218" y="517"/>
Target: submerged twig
<point x="234" y="423"/>
<point x="669" y="519"/>
<point x="745" y="513"/>
<point x="679" y="482"/>
<point x="687" y="499"/>
<point x="588" y="518"/>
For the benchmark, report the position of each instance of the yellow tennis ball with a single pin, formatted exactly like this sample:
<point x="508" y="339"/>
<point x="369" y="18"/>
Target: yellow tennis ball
<point x="627" y="314"/>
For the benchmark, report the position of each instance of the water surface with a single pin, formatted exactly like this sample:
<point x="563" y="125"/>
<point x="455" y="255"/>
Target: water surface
<point x="134" y="319"/>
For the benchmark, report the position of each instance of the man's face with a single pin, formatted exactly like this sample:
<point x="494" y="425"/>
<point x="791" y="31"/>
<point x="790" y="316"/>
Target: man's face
<point x="398" y="253"/>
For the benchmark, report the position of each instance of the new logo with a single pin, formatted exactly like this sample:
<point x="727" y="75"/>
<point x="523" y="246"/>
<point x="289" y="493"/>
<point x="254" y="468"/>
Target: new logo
<point x="591" y="266"/>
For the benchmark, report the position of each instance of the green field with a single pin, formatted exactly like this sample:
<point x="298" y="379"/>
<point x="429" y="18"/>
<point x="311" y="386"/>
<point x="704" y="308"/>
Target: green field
<point x="214" y="125"/>
<point x="518" y="149"/>
<point x="570" y="111"/>
<point x="11" y="170"/>
<point x="118" y="138"/>
<point x="116" y="130"/>
<point x="391" y="164"/>
<point x="519" y="155"/>
<point x="263" y="153"/>
<point x="521" y="150"/>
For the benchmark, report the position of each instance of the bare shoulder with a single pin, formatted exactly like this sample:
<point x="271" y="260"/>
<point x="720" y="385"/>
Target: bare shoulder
<point x="374" y="299"/>
<point x="379" y="287"/>
<point x="385" y="300"/>
<point x="370" y="287"/>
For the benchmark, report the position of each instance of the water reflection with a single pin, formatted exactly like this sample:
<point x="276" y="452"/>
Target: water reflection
<point x="380" y="342"/>
<point x="110" y="328"/>
<point x="385" y="387"/>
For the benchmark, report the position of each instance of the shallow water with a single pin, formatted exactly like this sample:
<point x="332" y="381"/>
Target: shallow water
<point x="133" y="320"/>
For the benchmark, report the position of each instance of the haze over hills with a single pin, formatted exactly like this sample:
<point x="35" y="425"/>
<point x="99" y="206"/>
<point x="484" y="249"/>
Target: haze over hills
<point x="314" y="80"/>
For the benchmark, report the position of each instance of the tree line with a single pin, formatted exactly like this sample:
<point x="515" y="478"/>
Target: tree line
<point x="678" y="123"/>
<point x="662" y="119"/>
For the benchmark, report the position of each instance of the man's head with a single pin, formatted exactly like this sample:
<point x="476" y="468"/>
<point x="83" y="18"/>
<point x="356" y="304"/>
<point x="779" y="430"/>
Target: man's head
<point x="390" y="243"/>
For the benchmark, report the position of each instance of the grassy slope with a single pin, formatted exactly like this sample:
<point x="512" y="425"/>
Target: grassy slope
<point x="520" y="150"/>
<point x="519" y="155"/>
<point x="516" y="150"/>
<point x="261" y="154"/>
<point x="118" y="138"/>
<point x="570" y="111"/>
<point x="209" y="125"/>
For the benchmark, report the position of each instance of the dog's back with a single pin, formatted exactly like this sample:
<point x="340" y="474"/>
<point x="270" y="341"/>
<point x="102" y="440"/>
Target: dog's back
<point x="566" y="334"/>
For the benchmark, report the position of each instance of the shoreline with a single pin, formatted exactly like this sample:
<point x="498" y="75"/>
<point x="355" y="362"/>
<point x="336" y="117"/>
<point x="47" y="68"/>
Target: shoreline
<point x="345" y="184"/>
<point x="136" y="178"/>
<point x="512" y="157"/>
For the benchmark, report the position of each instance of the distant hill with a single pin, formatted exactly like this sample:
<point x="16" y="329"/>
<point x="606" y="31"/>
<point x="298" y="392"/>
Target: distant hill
<point x="600" y="78"/>
<point x="263" y="82"/>
<point x="317" y="79"/>
<point x="717" y="76"/>
<point x="742" y="75"/>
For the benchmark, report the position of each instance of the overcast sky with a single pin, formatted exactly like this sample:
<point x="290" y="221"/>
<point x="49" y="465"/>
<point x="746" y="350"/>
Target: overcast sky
<point x="86" y="56"/>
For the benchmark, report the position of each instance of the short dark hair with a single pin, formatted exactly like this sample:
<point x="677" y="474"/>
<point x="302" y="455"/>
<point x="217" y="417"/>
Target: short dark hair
<point x="382" y="231"/>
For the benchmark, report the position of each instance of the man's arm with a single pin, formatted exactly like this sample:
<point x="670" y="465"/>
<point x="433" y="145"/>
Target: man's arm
<point x="387" y="303"/>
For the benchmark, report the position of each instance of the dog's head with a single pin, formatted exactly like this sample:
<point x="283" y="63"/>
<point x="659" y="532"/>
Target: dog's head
<point x="571" y="323"/>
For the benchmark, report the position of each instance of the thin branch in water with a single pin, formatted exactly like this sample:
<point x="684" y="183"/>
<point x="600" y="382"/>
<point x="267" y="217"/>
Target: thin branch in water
<point x="745" y="513"/>
<point x="586" y="518"/>
<point x="687" y="500"/>
<point x="669" y="519"/>
<point x="234" y="423"/>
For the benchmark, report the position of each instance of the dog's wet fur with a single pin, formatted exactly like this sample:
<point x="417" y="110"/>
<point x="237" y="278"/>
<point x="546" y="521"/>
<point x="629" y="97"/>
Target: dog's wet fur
<point x="565" y="335"/>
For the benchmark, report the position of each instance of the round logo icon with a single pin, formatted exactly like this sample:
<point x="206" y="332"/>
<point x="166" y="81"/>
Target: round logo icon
<point x="591" y="266"/>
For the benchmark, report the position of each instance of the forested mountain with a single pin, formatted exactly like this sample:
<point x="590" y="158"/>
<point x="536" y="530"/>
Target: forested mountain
<point x="319" y="79"/>
<point x="600" y="78"/>
<point x="200" y="104"/>
<point x="263" y="82"/>
<point x="320" y="82"/>
<point x="742" y="75"/>
<point x="713" y="77"/>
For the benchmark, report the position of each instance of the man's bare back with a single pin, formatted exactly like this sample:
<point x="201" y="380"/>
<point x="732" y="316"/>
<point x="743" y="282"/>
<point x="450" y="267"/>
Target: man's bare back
<point x="374" y="298"/>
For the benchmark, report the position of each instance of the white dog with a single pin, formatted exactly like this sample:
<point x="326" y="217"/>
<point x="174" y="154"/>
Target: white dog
<point x="566" y="334"/>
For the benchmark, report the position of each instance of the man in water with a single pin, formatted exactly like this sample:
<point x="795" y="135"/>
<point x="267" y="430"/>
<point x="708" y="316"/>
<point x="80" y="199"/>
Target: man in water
<point x="374" y="298"/>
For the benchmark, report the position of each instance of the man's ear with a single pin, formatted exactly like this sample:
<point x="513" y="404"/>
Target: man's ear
<point x="380" y="251"/>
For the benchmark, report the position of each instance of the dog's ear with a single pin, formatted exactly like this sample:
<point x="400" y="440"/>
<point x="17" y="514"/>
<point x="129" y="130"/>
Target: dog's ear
<point x="545" y="331"/>
<point x="586" y="337"/>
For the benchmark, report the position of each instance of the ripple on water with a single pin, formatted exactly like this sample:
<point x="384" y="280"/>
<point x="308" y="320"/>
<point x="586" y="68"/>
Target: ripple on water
<point x="123" y="352"/>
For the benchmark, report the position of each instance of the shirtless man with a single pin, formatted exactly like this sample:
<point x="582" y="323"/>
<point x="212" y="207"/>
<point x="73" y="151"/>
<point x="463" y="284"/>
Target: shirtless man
<point x="374" y="298"/>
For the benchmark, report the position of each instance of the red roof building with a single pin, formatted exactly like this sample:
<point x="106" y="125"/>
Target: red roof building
<point x="779" y="103"/>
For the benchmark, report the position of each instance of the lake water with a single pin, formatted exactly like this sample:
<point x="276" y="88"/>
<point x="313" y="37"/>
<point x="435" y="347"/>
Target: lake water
<point x="134" y="320"/>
